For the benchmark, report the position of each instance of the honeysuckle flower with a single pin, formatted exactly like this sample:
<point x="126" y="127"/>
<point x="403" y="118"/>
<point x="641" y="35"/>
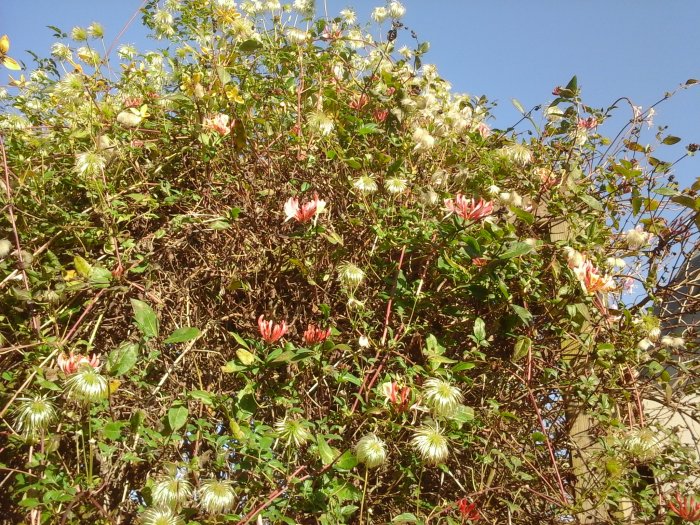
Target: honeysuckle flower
<point x="305" y="212"/>
<point x="574" y="258"/>
<point x="395" y="394"/>
<point x="380" y="115"/>
<point x="396" y="9"/>
<point x="34" y="414"/>
<point x="71" y="363"/>
<point x="672" y="342"/>
<point x="468" y="209"/>
<point x="294" y="431"/>
<point x="379" y="14"/>
<point x="483" y="129"/>
<point x="160" y="516"/>
<point x="358" y="102"/>
<point x="430" y="442"/>
<point x="270" y="331"/>
<point x="591" y="280"/>
<point x="587" y="123"/>
<point x="468" y="511"/>
<point x="87" y="385"/>
<point x="479" y="261"/>
<point x="637" y="238"/>
<point x="350" y="275"/>
<point x="216" y="497"/>
<point x="685" y="507"/>
<point x="370" y="450"/>
<point x="423" y="139"/>
<point x="314" y="335"/>
<point x="171" y="491"/>
<point x="442" y="396"/>
<point x="218" y="123"/>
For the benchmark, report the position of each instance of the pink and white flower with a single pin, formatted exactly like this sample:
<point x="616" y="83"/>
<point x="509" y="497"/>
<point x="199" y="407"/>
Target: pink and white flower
<point x="71" y="363"/>
<point x="314" y="334"/>
<point x="591" y="279"/>
<point x="469" y="209"/>
<point x="270" y="331"/>
<point x="218" y="123"/>
<point x="305" y="212"/>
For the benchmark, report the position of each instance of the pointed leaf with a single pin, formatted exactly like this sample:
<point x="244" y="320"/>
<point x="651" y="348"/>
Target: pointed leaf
<point x="184" y="334"/>
<point x="145" y="318"/>
<point x="177" y="417"/>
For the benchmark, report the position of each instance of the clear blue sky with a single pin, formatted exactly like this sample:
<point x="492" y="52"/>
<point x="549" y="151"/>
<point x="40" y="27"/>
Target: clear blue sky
<point x="503" y="49"/>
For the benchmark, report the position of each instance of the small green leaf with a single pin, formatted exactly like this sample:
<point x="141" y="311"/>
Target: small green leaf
<point x="245" y="357"/>
<point x="346" y="461"/>
<point x="145" y="318"/>
<point x="670" y="140"/>
<point x="406" y="517"/>
<point x="177" y="417"/>
<point x="205" y="397"/>
<point x="122" y="359"/>
<point x="523" y="313"/>
<point x="100" y="277"/>
<point x="113" y="430"/>
<point x="516" y="250"/>
<point x="521" y="348"/>
<point x="479" y="329"/>
<point x="81" y="266"/>
<point x="325" y="452"/>
<point x="249" y="46"/>
<point x="184" y="334"/>
<point x="591" y="201"/>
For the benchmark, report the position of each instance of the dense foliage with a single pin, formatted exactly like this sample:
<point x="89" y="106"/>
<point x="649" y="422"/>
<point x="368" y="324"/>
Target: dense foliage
<point x="277" y="271"/>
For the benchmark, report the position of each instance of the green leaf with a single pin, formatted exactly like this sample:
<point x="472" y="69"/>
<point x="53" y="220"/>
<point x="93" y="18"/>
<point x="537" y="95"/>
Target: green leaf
<point x="591" y="201"/>
<point x="245" y="357"/>
<point x="516" y="250"/>
<point x="113" y="430"/>
<point x="406" y="517"/>
<point x="122" y="359"/>
<point x="368" y="129"/>
<point x="184" y="334"/>
<point x="523" y="313"/>
<point x="346" y="462"/>
<point x="479" y="329"/>
<point x="177" y="417"/>
<point x="667" y="192"/>
<point x="521" y="348"/>
<point x="145" y="318"/>
<point x="205" y="397"/>
<point x="670" y="140"/>
<point x="518" y="105"/>
<point x="325" y="452"/>
<point x="100" y="277"/>
<point x="250" y="45"/>
<point x="81" y="266"/>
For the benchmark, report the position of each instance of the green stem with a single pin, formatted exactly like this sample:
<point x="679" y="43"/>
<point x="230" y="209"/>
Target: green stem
<point x="364" y="495"/>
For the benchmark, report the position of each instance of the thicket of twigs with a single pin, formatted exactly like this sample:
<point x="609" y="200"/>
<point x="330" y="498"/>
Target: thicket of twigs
<point x="279" y="272"/>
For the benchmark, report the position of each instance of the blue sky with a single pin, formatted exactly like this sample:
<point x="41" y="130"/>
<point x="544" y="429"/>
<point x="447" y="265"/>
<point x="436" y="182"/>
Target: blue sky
<point x="502" y="49"/>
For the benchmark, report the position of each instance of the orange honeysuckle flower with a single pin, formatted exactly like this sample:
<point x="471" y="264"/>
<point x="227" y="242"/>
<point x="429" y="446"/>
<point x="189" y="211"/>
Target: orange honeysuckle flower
<point x="71" y="363"/>
<point x="315" y="334"/>
<point x="305" y="212"/>
<point x="394" y="394"/>
<point x="469" y="209"/>
<point x="218" y="123"/>
<point x="591" y="279"/>
<point x="270" y="331"/>
<point x="467" y="510"/>
<point x="685" y="507"/>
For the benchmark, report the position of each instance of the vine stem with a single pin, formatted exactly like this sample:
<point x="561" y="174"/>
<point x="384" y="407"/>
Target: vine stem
<point x="364" y="496"/>
<point x="11" y="214"/>
<point x="366" y="386"/>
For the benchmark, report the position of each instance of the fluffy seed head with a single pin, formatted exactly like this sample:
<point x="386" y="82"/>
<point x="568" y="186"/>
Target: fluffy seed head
<point x="371" y="451"/>
<point x="171" y="491"/>
<point x="431" y="443"/>
<point x="160" y="516"/>
<point x="350" y="275"/>
<point x="216" y="497"/>
<point x="35" y="414"/>
<point x="442" y="397"/>
<point x="88" y="385"/>
<point x="294" y="431"/>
